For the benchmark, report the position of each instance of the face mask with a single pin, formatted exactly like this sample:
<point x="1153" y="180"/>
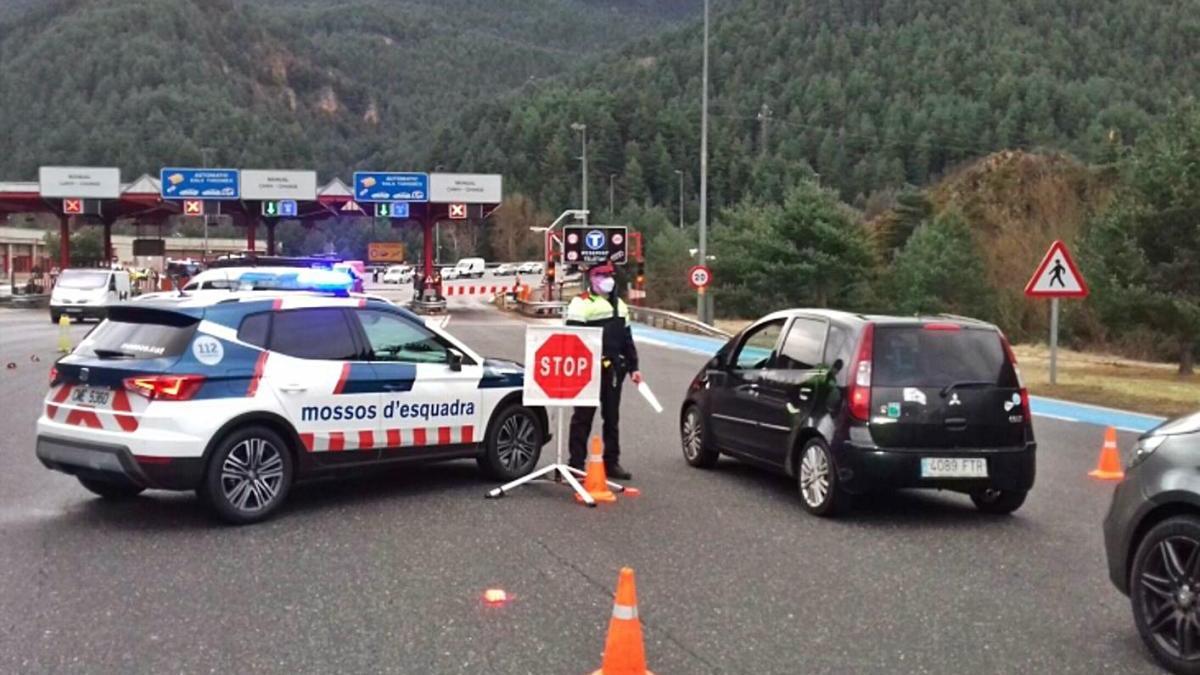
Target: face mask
<point x="603" y="285"/>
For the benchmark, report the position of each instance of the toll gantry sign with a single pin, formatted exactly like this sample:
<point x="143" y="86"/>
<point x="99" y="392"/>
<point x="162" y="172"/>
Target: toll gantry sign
<point x="1057" y="276"/>
<point x="384" y="186"/>
<point x="183" y="183"/>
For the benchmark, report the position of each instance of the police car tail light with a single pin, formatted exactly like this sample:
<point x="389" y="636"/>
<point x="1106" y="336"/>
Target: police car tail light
<point x="860" y="384"/>
<point x="165" y="387"/>
<point x="1012" y="358"/>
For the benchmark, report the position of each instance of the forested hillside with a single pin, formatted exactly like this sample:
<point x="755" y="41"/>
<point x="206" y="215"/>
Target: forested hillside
<point x="870" y="94"/>
<point x="333" y="85"/>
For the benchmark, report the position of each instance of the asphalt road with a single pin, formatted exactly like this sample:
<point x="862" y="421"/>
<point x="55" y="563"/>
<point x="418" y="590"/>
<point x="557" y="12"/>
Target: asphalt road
<point x="386" y="573"/>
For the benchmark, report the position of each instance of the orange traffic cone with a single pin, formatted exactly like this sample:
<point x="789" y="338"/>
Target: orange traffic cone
<point x="1110" y="459"/>
<point x="596" y="480"/>
<point x="624" y="651"/>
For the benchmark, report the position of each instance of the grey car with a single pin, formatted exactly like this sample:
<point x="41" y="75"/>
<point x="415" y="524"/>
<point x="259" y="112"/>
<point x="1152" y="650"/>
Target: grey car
<point x="1152" y="538"/>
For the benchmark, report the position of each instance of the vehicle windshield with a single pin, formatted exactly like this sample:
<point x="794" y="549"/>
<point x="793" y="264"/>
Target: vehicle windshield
<point x="83" y="279"/>
<point x="915" y="356"/>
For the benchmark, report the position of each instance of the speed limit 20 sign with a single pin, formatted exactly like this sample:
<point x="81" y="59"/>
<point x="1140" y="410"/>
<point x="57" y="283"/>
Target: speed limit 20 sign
<point x="562" y="366"/>
<point x="699" y="277"/>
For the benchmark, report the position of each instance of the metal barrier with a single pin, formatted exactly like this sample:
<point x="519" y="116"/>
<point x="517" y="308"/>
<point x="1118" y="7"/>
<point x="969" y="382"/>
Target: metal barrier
<point x="659" y="318"/>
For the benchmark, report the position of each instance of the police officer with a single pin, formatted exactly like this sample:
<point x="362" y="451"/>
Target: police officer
<point x="599" y="307"/>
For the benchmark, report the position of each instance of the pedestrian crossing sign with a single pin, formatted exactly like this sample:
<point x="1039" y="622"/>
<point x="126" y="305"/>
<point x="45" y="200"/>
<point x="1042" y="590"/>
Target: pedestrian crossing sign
<point x="1057" y="276"/>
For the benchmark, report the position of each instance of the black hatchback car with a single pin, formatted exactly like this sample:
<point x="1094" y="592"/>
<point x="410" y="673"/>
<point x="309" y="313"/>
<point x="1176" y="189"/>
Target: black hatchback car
<point x="850" y="403"/>
<point x="1152" y="537"/>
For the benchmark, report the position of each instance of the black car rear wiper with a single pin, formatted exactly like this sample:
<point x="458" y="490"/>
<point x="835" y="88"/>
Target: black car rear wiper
<point x="965" y="384"/>
<point x="113" y="354"/>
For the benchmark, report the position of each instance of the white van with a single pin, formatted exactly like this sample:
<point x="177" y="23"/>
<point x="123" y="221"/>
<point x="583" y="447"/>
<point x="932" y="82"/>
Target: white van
<point x="468" y="268"/>
<point x="87" y="293"/>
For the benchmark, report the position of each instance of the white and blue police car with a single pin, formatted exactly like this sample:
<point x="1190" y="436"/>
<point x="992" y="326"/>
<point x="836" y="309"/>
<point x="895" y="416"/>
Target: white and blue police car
<point x="238" y="395"/>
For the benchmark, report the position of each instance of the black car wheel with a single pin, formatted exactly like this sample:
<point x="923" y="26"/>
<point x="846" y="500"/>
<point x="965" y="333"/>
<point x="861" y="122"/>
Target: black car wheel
<point x="248" y="476"/>
<point x="513" y="444"/>
<point x="1165" y="593"/>
<point x="111" y="489"/>
<point x="999" y="502"/>
<point x="820" y="491"/>
<point x="697" y="448"/>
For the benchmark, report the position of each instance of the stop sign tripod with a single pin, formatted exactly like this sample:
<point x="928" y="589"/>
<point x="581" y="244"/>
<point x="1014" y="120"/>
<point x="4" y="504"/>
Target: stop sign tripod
<point x="564" y="371"/>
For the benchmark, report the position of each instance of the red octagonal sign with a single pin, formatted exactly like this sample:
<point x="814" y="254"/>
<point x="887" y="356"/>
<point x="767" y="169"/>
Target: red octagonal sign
<point x="562" y="366"/>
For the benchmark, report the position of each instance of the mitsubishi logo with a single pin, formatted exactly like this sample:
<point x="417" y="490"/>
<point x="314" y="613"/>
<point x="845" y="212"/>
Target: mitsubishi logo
<point x="954" y="399"/>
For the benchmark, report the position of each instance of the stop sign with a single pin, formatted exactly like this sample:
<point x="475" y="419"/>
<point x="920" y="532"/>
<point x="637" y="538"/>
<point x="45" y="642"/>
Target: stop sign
<point x="562" y="366"/>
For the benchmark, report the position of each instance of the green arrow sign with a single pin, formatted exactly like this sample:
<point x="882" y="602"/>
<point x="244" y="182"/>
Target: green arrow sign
<point x="270" y="208"/>
<point x="383" y="210"/>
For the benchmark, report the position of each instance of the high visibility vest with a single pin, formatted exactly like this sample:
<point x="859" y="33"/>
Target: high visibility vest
<point x="591" y="308"/>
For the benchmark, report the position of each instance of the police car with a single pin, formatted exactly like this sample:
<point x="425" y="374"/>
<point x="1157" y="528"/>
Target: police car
<point x="238" y="395"/>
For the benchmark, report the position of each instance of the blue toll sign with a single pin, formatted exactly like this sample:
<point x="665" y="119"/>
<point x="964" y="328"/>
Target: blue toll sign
<point x="374" y="186"/>
<point x="592" y="245"/>
<point x="181" y="183"/>
<point x="595" y="239"/>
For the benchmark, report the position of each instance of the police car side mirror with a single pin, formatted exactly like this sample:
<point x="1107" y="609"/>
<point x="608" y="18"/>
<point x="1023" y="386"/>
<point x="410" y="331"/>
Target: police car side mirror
<point x="456" y="360"/>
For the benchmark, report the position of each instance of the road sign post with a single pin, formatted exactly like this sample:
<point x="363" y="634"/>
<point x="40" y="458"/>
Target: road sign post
<point x="563" y="371"/>
<point x="1056" y="277"/>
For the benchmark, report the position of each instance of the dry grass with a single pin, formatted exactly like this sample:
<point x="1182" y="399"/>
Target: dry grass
<point x="1102" y="379"/>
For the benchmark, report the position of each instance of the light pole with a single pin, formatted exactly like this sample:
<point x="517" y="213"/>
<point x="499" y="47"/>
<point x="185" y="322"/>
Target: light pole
<point x="204" y="152"/>
<point x="612" y="214"/>
<point x="701" y="303"/>
<point x="680" y="174"/>
<point x="437" y="232"/>
<point x="582" y="129"/>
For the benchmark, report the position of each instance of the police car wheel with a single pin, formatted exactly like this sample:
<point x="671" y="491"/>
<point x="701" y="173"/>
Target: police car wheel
<point x="111" y="490"/>
<point x="698" y="451"/>
<point x="513" y="444"/>
<point x="248" y="476"/>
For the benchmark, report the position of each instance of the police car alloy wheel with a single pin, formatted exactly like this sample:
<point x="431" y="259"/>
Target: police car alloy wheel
<point x="696" y="449"/>
<point x="819" y="489"/>
<point x="513" y="444"/>
<point x="248" y="476"/>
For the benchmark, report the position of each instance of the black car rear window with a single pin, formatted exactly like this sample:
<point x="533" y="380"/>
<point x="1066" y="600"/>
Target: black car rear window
<point x="915" y="356"/>
<point x="318" y="333"/>
<point x="140" y="335"/>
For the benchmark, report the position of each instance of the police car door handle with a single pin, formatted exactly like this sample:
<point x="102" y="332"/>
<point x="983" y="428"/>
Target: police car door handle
<point x="292" y="388"/>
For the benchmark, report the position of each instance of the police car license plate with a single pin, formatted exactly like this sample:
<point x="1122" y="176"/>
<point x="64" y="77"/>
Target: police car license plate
<point x="953" y="467"/>
<point x="91" y="396"/>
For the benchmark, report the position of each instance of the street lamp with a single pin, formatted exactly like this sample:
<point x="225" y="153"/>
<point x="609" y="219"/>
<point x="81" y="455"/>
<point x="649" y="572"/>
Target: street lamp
<point x="582" y="129"/>
<point x="701" y="301"/>
<point x="204" y="153"/>
<point x="680" y="174"/>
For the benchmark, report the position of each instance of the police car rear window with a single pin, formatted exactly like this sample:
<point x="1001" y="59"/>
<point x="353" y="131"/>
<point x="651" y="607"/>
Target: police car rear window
<point x="140" y="335"/>
<point x="254" y="329"/>
<point x="913" y="356"/>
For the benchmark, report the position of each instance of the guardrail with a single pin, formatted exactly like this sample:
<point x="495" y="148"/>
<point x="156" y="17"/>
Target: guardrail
<point x="660" y="318"/>
<point x="541" y="308"/>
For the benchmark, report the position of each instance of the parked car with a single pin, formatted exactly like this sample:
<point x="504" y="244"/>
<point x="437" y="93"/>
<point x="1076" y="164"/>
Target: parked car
<point x="506" y="269"/>
<point x="398" y="274"/>
<point x="88" y="293"/>
<point x="848" y="403"/>
<point x="450" y="273"/>
<point x="530" y="268"/>
<point x="1152" y="539"/>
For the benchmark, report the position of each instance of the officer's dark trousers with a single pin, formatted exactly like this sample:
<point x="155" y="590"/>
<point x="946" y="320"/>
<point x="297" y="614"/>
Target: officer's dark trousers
<point x="610" y="409"/>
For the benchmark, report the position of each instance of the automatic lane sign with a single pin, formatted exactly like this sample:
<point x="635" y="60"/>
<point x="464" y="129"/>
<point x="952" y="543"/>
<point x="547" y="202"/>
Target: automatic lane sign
<point x="593" y="245"/>
<point x="280" y="208"/>
<point x="1057" y="276"/>
<point x="699" y="277"/>
<point x="193" y="207"/>
<point x="179" y="183"/>
<point x="391" y="210"/>
<point x="379" y="186"/>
